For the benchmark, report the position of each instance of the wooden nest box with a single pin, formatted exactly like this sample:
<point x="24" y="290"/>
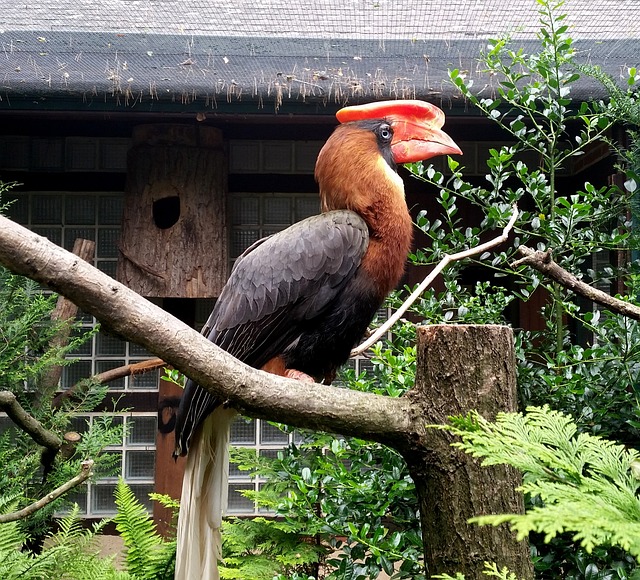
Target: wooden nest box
<point x="173" y="241"/>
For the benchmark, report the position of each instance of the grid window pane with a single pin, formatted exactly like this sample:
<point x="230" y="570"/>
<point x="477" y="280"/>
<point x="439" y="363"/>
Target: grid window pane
<point x="144" y="381"/>
<point x="108" y="345"/>
<point x="117" y="421"/>
<point x="142" y="430"/>
<point x="242" y="239"/>
<point x="47" y="153"/>
<point x="46" y="209"/>
<point x="102" y="500"/>
<point x="80" y="210"/>
<point x="237" y="502"/>
<point x="81" y="154"/>
<point x="116" y="455"/>
<point x="110" y="210"/>
<point x="277" y="210"/>
<point x="271" y="434"/>
<point x="86" y="347"/>
<point x="306" y="155"/>
<point x="244" y="157"/>
<point x="243" y="432"/>
<point x="107" y="246"/>
<point x="113" y="154"/>
<point x="140" y="464"/>
<point x="75" y="372"/>
<point x="306" y="207"/>
<point x="245" y="211"/>
<point x="15" y="153"/>
<point x="141" y="491"/>
<point x="137" y="350"/>
<point x="276" y="157"/>
<point x="270" y="453"/>
<point x="18" y="210"/>
<point x="107" y="365"/>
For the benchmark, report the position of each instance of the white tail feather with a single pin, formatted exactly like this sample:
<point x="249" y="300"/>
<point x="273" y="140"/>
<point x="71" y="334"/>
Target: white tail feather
<point x="204" y="498"/>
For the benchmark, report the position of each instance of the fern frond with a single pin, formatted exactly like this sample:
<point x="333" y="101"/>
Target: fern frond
<point x="147" y="554"/>
<point x="588" y="485"/>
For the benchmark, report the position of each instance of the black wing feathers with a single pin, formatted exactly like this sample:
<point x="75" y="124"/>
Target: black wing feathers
<point x="295" y="273"/>
<point x="275" y="291"/>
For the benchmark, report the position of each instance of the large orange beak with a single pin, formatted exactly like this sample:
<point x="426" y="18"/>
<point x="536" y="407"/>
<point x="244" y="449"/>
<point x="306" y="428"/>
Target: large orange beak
<point x="416" y="128"/>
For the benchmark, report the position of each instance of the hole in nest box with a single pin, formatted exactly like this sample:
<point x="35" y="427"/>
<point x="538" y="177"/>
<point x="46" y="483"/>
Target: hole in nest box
<point x="166" y="212"/>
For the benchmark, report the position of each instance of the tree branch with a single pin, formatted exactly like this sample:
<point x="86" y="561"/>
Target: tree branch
<point x="10" y="405"/>
<point x="84" y="474"/>
<point x="138" y="368"/>
<point x="251" y="391"/>
<point x="543" y="262"/>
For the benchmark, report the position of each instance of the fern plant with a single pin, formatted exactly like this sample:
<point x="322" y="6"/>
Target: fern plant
<point x="147" y="554"/>
<point x="70" y="553"/>
<point x="585" y="485"/>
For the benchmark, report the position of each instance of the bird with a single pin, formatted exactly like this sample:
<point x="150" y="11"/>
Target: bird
<point x="297" y="302"/>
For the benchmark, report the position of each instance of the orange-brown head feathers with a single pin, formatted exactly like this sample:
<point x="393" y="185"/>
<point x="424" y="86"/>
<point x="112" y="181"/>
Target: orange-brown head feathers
<point x="360" y="157"/>
<point x="356" y="170"/>
<point x="355" y="165"/>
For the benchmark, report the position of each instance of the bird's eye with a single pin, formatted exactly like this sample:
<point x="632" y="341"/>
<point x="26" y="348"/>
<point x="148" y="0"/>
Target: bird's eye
<point x="385" y="133"/>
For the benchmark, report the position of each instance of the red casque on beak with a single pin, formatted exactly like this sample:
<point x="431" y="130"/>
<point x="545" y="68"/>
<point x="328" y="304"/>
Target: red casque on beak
<point x="416" y="127"/>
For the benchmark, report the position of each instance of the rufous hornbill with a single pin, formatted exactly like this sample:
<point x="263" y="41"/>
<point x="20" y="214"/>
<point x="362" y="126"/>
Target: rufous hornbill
<point x="297" y="302"/>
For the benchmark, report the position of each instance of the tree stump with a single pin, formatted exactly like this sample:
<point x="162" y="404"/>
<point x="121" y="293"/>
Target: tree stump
<point x="173" y="241"/>
<point x="464" y="368"/>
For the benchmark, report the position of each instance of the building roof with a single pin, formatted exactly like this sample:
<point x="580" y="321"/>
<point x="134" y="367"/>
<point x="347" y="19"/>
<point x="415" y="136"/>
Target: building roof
<point x="279" y="54"/>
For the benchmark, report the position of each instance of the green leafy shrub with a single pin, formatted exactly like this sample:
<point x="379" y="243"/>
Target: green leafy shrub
<point x="579" y="486"/>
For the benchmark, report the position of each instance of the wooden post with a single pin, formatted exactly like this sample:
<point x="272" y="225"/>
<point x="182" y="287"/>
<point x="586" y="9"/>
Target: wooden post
<point x="65" y="310"/>
<point x="461" y="368"/>
<point x="173" y="241"/>
<point x="169" y="471"/>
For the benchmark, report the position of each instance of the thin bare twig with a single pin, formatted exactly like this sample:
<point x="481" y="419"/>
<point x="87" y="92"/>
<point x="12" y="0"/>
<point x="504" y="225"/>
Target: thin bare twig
<point x="380" y="332"/>
<point x="85" y="473"/>
<point x="543" y="262"/>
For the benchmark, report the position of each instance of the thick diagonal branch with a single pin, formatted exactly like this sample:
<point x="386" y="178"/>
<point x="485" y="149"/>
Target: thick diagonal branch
<point x="253" y="392"/>
<point x="543" y="262"/>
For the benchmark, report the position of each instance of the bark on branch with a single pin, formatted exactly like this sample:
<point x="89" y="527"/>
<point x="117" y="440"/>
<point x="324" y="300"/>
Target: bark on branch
<point x="252" y="392"/>
<point x="543" y="262"/>
<point x="85" y="473"/>
<point x="141" y="367"/>
<point x="16" y="412"/>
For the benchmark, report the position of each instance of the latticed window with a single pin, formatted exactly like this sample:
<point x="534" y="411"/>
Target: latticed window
<point x="136" y="455"/>
<point x="62" y="218"/>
